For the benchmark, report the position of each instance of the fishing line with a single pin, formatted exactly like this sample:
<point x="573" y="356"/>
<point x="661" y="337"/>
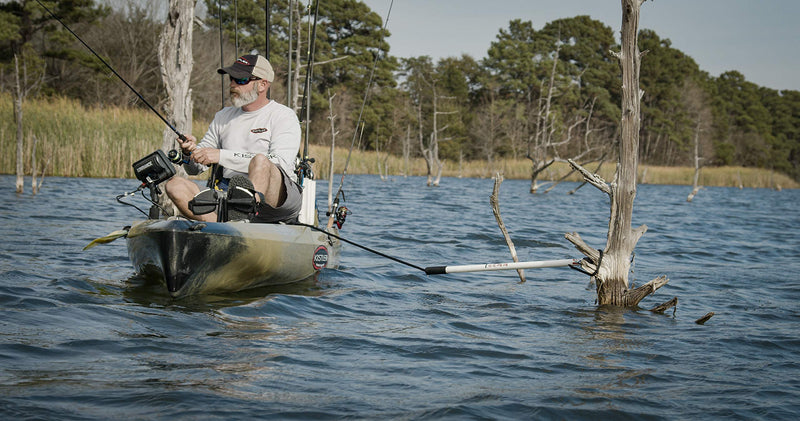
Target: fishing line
<point x="304" y="169"/>
<point x="267" y="23"/>
<point x="362" y="247"/>
<point x="236" y="26"/>
<point x="221" y="56"/>
<point x="363" y="104"/>
<point x="180" y="135"/>
<point x="289" y="57"/>
<point x="309" y="70"/>
<point x="441" y="270"/>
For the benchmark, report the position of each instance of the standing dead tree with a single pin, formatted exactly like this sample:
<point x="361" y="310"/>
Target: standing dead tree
<point x="175" y="59"/>
<point x="22" y="88"/>
<point x="36" y="185"/>
<point x="610" y="267"/>
<point x="699" y="110"/>
<point x="543" y="146"/>
<point x="18" y="96"/>
<point x="697" y="158"/>
<point x="538" y="146"/>
<point x="431" y="151"/>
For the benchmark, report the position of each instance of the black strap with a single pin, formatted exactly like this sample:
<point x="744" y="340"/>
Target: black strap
<point x="596" y="269"/>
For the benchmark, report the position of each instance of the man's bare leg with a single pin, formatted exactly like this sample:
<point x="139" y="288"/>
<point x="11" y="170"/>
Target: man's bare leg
<point x="181" y="191"/>
<point x="267" y="179"/>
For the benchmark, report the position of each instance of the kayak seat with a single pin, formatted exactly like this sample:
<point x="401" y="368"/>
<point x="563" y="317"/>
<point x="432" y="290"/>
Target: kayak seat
<point x="241" y="200"/>
<point x="204" y="202"/>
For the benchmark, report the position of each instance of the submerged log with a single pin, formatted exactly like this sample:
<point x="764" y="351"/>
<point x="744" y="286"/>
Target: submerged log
<point x="705" y="318"/>
<point x="665" y="306"/>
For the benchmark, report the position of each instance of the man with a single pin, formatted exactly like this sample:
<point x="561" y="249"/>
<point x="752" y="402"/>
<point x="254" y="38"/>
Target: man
<point x="256" y="138"/>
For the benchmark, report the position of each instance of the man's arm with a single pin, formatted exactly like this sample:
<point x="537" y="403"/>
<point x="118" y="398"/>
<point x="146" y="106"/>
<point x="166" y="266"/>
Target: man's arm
<point x="285" y="141"/>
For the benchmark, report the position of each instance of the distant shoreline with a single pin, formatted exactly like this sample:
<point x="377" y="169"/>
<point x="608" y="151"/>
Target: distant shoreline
<point x="75" y="141"/>
<point x="738" y="177"/>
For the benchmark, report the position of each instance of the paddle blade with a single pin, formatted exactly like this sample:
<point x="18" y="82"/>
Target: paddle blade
<point x="107" y="239"/>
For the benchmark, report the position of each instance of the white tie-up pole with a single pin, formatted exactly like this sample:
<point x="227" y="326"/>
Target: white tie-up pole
<point x="439" y="270"/>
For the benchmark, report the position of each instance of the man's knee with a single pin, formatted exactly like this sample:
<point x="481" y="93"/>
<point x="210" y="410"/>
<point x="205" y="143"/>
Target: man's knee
<point x="179" y="188"/>
<point x="260" y="163"/>
<point x="173" y="187"/>
<point x="263" y="172"/>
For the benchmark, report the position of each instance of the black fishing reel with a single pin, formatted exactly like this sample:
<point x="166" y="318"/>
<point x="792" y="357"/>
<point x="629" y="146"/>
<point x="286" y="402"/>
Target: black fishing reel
<point x="338" y="214"/>
<point x="341" y="214"/>
<point x="303" y="169"/>
<point x="178" y="157"/>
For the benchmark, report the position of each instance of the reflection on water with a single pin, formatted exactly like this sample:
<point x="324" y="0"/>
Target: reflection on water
<point x="81" y="337"/>
<point x="146" y="290"/>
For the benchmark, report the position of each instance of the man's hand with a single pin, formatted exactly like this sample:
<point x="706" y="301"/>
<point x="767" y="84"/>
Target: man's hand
<point x="206" y="156"/>
<point x="189" y="145"/>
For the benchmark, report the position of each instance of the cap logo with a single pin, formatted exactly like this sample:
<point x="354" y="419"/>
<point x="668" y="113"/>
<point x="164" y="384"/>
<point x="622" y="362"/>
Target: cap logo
<point x="243" y="61"/>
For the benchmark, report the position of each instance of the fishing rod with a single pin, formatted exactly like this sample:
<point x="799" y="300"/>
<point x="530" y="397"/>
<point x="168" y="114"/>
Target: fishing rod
<point x="180" y="135"/>
<point x="333" y="208"/>
<point x="363" y="106"/>
<point x="305" y="163"/>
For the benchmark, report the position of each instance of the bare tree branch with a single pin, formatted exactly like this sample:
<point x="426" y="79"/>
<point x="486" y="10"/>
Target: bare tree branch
<point x="593" y="179"/>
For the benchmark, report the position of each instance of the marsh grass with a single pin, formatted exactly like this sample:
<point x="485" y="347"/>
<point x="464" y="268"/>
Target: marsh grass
<point x="76" y="141"/>
<point x="103" y="142"/>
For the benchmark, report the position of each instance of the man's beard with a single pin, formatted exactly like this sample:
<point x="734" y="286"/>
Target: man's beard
<point x="244" y="98"/>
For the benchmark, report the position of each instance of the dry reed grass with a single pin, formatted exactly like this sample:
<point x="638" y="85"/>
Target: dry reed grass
<point x="103" y="142"/>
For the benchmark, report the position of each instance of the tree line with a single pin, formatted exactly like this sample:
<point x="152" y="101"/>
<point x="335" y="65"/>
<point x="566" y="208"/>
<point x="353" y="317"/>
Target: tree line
<point x="546" y="94"/>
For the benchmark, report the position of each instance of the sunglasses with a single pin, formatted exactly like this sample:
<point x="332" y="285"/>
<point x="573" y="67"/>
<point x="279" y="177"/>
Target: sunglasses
<point x="243" y="81"/>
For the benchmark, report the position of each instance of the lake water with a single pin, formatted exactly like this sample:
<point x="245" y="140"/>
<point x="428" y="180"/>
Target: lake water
<point x="81" y="338"/>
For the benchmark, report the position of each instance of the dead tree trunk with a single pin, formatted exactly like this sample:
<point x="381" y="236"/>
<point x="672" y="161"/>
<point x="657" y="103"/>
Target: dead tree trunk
<point x="20" y="185"/>
<point x="406" y="151"/>
<point x="175" y="60"/>
<point x="695" y="187"/>
<point x="543" y="132"/>
<point x="34" y="185"/>
<point x="610" y="267"/>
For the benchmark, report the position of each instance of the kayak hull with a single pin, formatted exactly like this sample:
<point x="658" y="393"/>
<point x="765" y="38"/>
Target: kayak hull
<point x="192" y="257"/>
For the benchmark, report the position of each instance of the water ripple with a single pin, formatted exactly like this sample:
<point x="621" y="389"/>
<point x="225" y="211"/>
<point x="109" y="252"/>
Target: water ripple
<point x="82" y="338"/>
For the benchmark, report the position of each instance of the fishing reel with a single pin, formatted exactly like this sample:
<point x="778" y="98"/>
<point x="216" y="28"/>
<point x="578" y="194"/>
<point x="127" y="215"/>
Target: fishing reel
<point x="338" y="214"/>
<point x="303" y="169"/>
<point x="177" y="157"/>
<point x="341" y="213"/>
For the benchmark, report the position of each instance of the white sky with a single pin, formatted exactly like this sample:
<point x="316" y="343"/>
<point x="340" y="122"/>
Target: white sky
<point x="758" y="38"/>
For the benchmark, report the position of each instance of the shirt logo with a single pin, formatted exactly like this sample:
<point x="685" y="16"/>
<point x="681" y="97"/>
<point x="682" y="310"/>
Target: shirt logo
<point x="258" y="130"/>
